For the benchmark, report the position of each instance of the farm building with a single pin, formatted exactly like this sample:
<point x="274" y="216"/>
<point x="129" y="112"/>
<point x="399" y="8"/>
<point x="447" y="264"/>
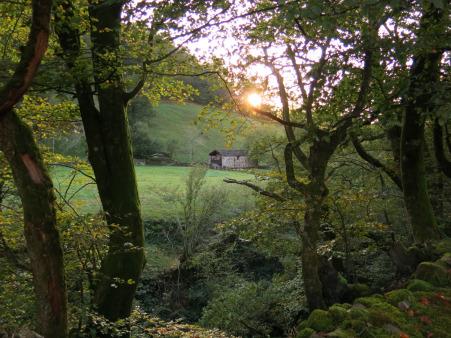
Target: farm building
<point x="230" y="159"/>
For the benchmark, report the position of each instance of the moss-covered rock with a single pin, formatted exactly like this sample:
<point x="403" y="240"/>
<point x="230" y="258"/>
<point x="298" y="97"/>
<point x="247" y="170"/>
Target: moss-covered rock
<point x="397" y="296"/>
<point x="321" y="320"/>
<point x="433" y="273"/>
<point x="444" y="246"/>
<point x="338" y="312"/>
<point x="369" y="301"/>
<point x="358" y="312"/>
<point x="342" y="333"/>
<point x="446" y="260"/>
<point x="354" y="325"/>
<point x="305" y="333"/>
<point x="383" y="313"/>
<point x="419" y="285"/>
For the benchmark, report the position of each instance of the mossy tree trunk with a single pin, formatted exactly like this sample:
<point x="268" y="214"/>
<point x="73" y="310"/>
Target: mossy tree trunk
<point x="112" y="161"/>
<point x="110" y="154"/>
<point x="315" y="193"/>
<point x="43" y="244"/>
<point x="424" y="77"/>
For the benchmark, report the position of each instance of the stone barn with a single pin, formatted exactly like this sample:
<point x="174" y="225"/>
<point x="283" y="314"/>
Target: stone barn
<point x="230" y="159"/>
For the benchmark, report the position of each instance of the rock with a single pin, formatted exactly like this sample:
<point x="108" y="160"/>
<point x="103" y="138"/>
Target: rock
<point x="404" y="306"/>
<point x="433" y="273"/>
<point x="390" y="328"/>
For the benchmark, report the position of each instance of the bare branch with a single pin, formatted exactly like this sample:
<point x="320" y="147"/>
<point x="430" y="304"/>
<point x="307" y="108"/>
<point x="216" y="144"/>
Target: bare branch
<point x="289" y="168"/>
<point x="256" y="188"/>
<point x="316" y="76"/>
<point x="375" y="162"/>
<point x="278" y="119"/>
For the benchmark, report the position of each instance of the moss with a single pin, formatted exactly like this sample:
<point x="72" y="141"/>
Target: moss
<point x="401" y="295"/>
<point x="359" y="290"/>
<point x="433" y="273"/>
<point x="338" y="313"/>
<point x="305" y="333"/>
<point x="341" y="333"/>
<point x="446" y="260"/>
<point x="369" y="301"/>
<point x="320" y="320"/>
<point x="444" y="246"/>
<point x="383" y="313"/>
<point x="358" y="313"/>
<point x="419" y="285"/>
<point x="355" y="325"/>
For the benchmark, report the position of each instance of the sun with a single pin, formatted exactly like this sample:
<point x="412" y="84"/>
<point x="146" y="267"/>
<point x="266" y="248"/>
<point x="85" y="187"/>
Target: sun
<point x="254" y="99"/>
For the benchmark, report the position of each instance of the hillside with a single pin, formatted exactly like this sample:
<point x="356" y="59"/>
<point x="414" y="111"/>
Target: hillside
<point x="172" y="128"/>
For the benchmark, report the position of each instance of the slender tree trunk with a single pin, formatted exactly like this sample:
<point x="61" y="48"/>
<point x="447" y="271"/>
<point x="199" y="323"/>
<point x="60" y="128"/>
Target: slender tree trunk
<point x="43" y="243"/>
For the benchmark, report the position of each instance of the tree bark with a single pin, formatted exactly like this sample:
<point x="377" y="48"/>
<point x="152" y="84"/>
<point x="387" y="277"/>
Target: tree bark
<point x="110" y="154"/>
<point x="43" y="243"/>
<point x="424" y="76"/>
<point x="34" y="184"/>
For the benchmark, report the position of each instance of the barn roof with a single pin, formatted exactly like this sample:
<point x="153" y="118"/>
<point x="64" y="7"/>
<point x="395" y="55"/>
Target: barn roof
<point x="229" y="152"/>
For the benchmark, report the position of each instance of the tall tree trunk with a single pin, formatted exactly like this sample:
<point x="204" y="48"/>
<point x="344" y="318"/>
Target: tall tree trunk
<point x="43" y="244"/>
<point x="110" y="154"/>
<point x="114" y="170"/>
<point x="424" y="76"/>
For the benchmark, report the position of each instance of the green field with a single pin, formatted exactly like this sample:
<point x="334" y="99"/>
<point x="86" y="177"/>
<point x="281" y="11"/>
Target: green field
<point x="157" y="185"/>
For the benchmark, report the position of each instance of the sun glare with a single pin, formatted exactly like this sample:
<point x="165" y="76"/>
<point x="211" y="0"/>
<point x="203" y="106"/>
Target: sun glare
<point x="254" y="99"/>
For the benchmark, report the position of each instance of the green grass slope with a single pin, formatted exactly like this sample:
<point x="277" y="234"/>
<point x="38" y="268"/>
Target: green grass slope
<point x="177" y="122"/>
<point x="157" y="185"/>
<point x="174" y="123"/>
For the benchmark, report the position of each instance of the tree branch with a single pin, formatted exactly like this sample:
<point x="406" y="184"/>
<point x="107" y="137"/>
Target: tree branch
<point x="375" y="162"/>
<point x="30" y="58"/>
<point x="289" y="169"/>
<point x="256" y="188"/>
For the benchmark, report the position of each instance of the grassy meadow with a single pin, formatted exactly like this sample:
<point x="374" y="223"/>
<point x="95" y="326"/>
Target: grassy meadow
<point x="158" y="188"/>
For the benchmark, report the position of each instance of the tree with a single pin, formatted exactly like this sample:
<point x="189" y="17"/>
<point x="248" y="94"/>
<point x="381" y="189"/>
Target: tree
<point x="418" y="102"/>
<point x="109" y="151"/>
<point x="33" y="182"/>
<point x="106" y="125"/>
<point x="315" y="107"/>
